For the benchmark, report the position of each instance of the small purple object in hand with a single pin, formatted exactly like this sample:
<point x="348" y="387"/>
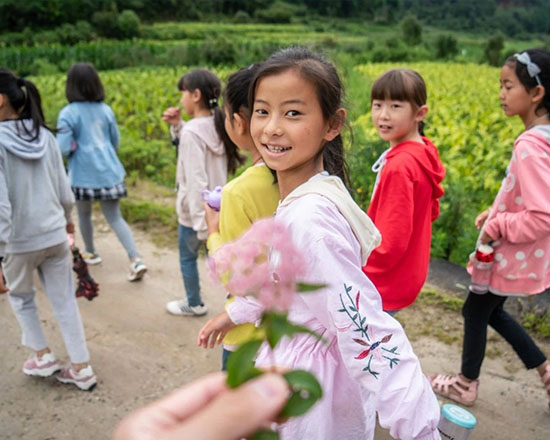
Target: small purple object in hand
<point x="213" y="198"/>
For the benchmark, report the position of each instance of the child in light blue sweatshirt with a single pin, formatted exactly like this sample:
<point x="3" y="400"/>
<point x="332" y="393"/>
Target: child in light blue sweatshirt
<point x="88" y="135"/>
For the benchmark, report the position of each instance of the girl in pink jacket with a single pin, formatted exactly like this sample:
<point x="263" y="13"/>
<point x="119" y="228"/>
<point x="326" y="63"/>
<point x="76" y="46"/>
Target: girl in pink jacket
<point x="518" y="227"/>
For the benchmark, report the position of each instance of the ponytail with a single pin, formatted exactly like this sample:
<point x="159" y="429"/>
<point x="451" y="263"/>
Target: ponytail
<point x="25" y="100"/>
<point x="334" y="161"/>
<point x="211" y="88"/>
<point x="234" y="158"/>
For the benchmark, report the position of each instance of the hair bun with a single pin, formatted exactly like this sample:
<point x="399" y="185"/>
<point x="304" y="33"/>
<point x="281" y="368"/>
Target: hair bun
<point x="20" y="82"/>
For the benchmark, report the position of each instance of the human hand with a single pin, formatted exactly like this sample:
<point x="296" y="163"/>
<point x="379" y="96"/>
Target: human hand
<point x="480" y="219"/>
<point x="172" y="115"/>
<point x="485" y="238"/>
<point x="212" y="218"/>
<point x="70" y="228"/>
<point x="208" y="410"/>
<point x="3" y="287"/>
<point x="214" y="330"/>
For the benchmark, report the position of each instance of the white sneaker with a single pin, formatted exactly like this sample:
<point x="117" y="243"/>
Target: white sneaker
<point x="84" y="379"/>
<point x="91" y="258"/>
<point x="181" y="308"/>
<point x="137" y="270"/>
<point x="44" y="367"/>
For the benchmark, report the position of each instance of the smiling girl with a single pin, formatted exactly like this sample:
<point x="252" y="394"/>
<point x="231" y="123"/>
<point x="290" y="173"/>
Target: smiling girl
<point x="406" y="195"/>
<point x="365" y="363"/>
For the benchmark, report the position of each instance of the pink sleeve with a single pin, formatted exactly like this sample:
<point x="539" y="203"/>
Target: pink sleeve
<point x="244" y="309"/>
<point x="373" y="345"/>
<point x="532" y="174"/>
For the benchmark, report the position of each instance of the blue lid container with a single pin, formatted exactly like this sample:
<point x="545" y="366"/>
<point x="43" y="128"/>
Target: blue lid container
<point x="459" y="416"/>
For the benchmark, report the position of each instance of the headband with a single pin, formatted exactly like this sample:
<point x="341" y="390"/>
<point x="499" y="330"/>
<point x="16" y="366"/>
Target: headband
<point x="532" y="68"/>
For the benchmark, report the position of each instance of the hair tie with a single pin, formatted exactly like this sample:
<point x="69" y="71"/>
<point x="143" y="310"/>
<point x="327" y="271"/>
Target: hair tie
<point x="532" y="69"/>
<point x="20" y="82"/>
<point x="213" y="102"/>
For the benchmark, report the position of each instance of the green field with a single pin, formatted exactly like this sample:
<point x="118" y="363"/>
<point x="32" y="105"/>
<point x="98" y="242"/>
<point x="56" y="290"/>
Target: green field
<point x="465" y="121"/>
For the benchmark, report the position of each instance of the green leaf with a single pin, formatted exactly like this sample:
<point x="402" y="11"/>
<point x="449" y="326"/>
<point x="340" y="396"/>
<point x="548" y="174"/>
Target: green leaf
<point x="276" y="325"/>
<point x="306" y="390"/>
<point x="309" y="287"/>
<point x="264" y="434"/>
<point x="240" y="365"/>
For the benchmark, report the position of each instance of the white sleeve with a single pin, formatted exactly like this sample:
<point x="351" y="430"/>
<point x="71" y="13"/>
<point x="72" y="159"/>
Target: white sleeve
<point x="5" y="209"/>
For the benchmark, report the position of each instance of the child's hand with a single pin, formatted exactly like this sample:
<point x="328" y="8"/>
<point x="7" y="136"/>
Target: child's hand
<point x="3" y="288"/>
<point x="214" y="330"/>
<point x="485" y="238"/>
<point x="70" y="228"/>
<point x="480" y="219"/>
<point x="172" y="115"/>
<point x="212" y="218"/>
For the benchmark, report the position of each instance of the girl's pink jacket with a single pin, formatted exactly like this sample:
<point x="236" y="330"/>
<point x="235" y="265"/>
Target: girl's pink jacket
<point x="519" y="219"/>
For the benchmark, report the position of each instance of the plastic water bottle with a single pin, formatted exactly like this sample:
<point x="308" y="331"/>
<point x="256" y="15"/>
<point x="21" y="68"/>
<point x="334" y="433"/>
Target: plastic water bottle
<point x="482" y="261"/>
<point x="455" y="423"/>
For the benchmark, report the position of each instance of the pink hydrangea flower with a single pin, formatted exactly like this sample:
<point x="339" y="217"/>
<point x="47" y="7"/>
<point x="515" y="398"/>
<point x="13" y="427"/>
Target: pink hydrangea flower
<point x="263" y="263"/>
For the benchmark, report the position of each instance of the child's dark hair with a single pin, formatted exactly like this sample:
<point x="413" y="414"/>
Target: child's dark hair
<point x="323" y="75"/>
<point x="83" y="84"/>
<point x="401" y="85"/>
<point x="210" y="88"/>
<point x="235" y="94"/>
<point x="25" y="100"/>
<point x="541" y="58"/>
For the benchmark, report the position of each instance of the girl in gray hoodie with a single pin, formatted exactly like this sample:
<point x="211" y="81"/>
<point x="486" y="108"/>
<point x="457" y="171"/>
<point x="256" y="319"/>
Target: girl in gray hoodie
<point x="35" y="207"/>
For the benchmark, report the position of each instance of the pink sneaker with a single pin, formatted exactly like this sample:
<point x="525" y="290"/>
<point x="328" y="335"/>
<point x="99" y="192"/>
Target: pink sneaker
<point x="43" y="367"/>
<point x="84" y="379"/>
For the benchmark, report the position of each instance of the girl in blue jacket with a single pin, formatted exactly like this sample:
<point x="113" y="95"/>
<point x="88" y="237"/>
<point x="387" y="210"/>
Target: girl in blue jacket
<point x="88" y="135"/>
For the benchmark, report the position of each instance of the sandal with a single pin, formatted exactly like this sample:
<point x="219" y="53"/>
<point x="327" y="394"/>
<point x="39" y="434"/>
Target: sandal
<point x="456" y="388"/>
<point x="545" y="379"/>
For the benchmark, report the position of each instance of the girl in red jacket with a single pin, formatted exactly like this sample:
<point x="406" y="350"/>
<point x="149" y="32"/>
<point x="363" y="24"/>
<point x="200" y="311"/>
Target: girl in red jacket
<point x="408" y="185"/>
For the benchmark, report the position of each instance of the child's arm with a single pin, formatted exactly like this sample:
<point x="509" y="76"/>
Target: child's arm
<point x="394" y="219"/>
<point x="172" y="115"/>
<point x="192" y="155"/>
<point x="5" y="208"/>
<point x="373" y="345"/>
<point x="532" y="174"/>
<point x="244" y="309"/>
<point x="65" y="134"/>
<point x="113" y="131"/>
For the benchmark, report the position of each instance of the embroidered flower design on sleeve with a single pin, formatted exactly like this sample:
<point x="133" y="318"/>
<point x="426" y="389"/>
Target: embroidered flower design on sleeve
<point x="370" y="346"/>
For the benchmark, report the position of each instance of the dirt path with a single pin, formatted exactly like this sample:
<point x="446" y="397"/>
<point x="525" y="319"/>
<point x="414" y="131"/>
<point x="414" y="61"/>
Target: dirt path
<point x="139" y="353"/>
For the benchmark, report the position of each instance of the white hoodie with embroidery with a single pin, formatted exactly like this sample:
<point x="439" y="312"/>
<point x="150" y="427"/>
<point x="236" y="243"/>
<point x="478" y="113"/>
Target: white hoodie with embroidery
<point x="35" y="196"/>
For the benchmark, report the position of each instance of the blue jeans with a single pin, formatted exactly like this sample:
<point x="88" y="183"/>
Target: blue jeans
<point x="189" y="246"/>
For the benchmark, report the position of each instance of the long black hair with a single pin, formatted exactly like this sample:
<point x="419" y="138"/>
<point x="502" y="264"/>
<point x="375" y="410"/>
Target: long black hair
<point x="235" y="94"/>
<point x="541" y="58"/>
<point x="25" y="100"/>
<point x="330" y="91"/>
<point x="210" y="88"/>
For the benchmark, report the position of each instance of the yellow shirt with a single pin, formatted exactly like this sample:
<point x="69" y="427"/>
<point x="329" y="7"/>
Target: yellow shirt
<point x="251" y="196"/>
